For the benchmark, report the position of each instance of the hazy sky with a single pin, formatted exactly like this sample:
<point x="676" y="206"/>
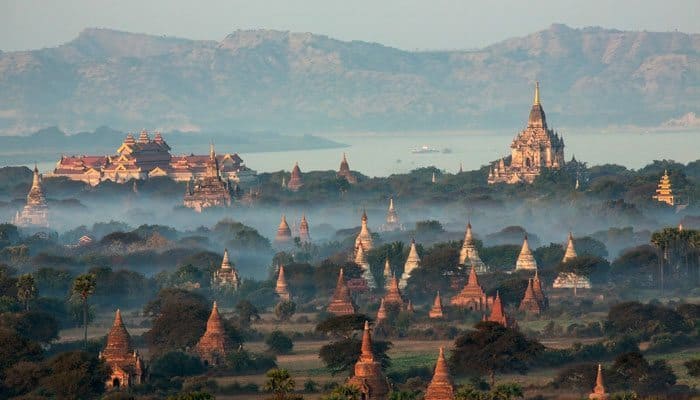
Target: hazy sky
<point x="407" y="24"/>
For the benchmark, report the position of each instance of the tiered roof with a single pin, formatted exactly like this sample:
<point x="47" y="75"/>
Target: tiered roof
<point x="393" y="293"/>
<point x="472" y="295"/>
<point x="469" y="253"/>
<point x="126" y="365"/>
<point x="226" y="275"/>
<point x="369" y="377"/>
<point x="664" y="192"/>
<point x="441" y="386"/>
<point x="295" y="182"/>
<point x="498" y="314"/>
<point x="341" y="302"/>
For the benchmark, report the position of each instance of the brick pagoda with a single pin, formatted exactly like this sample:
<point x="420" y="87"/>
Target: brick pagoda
<point x="441" y="386"/>
<point x="127" y="368"/>
<point x="341" y="302"/>
<point x="472" y="296"/>
<point x="344" y="171"/>
<point x="281" y="288"/>
<point x="436" y="311"/>
<point x="226" y="276"/>
<point x="369" y="377"/>
<point x="295" y="182"/>
<point x="215" y="344"/>
<point x="35" y="212"/>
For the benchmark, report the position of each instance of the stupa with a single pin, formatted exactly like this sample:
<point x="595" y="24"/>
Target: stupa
<point x="364" y="237"/>
<point x="526" y="261"/>
<point x="412" y="262"/>
<point x="369" y="377"/>
<point x="387" y="272"/>
<point x="283" y="237"/>
<point x="529" y="303"/>
<point x="226" y="276"/>
<point x="281" y="288"/>
<point x="441" y="386"/>
<point x="599" y="389"/>
<point x="381" y="312"/>
<point x="35" y="212"/>
<point x="436" y="311"/>
<point x="539" y="293"/>
<point x="469" y="255"/>
<point x="570" y="280"/>
<point x="344" y="171"/>
<point x="392" y="218"/>
<point x="570" y="252"/>
<point x="127" y="367"/>
<point x="215" y="344"/>
<point x="361" y="261"/>
<point x="472" y="296"/>
<point x="295" y="182"/>
<point x="304" y="235"/>
<point x="664" y="192"/>
<point x="393" y="293"/>
<point x="341" y="302"/>
<point x="498" y="314"/>
<point x="210" y="190"/>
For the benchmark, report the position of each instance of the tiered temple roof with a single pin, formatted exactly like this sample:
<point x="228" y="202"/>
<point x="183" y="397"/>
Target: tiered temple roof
<point x="35" y="211"/>
<point x="341" y="302"/>
<point x="392" y="218"/>
<point x="469" y="255"/>
<point x="304" y="235"/>
<point x="498" y="314"/>
<point x="436" y="311"/>
<point x="210" y="190"/>
<point x="215" y="344"/>
<point x="393" y="293"/>
<point x="599" y="392"/>
<point x="226" y="275"/>
<point x="412" y="262"/>
<point x="344" y="171"/>
<point x="472" y="295"/>
<point x="281" y="288"/>
<point x="441" y="386"/>
<point x="664" y="192"/>
<point x="529" y="303"/>
<point x="526" y="261"/>
<point x="369" y="377"/>
<point x="284" y="233"/>
<point x="295" y="182"/>
<point x="127" y="368"/>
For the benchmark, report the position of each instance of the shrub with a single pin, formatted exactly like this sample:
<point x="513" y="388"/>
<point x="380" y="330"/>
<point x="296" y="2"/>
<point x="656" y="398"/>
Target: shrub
<point x="278" y="342"/>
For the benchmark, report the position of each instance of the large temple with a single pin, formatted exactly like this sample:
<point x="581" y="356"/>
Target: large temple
<point x="535" y="148"/>
<point x="145" y="158"/>
<point x="226" y="277"/>
<point x="214" y="345"/>
<point x="369" y="377"/>
<point x="210" y="190"/>
<point x="345" y="173"/>
<point x="469" y="255"/>
<point x="526" y="260"/>
<point x="472" y="296"/>
<point x="341" y="302"/>
<point x="125" y="363"/>
<point x="35" y="212"/>
<point x="664" y="192"/>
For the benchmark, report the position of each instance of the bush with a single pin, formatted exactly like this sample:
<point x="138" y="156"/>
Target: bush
<point x="176" y="363"/>
<point x="243" y="362"/>
<point x="279" y="343"/>
<point x="285" y="309"/>
<point x="693" y="367"/>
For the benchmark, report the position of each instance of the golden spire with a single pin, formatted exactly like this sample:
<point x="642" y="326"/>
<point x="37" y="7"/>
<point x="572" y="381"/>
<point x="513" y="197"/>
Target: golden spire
<point x="537" y="93"/>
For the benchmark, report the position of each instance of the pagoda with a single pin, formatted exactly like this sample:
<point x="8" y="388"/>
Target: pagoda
<point x="393" y="293"/>
<point x="226" y="276"/>
<point x="281" y="288"/>
<point x="472" y="297"/>
<point x="436" y="311"/>
<point x="599" y="389"/>
<point x="127" y="368"/>
<point x="409" y="307"/>
<point x="369" y="377"/>
<point x="569" y="280"/>
<point x="295" y="183"/>
<point x="570" y="252"/>
<point x="283" y="238"/>
<point x="210" y="190"/>
<point x="539" y="293"/>
<point x="35" y="212"/>
<point x="498" y="314"/>
<point x="361" y="261"/>
<point x="364" y="237"/>
<point x="469" y="254"/>
<point x="304" y="235"/>
<point x="392" y="219"/>
<point x="344" y="171"/>
<point x="441" y="386"/>
<point x="412" y="262"/>
<point x="534" y="149"/>
<point x="529" y="303"/>
<point x="664" y="193"/>
<point x="341" y="303"/>
<point x="382" y="315"/>
<point x="387" y="272"/>
<point x="526" y="261"/>
<point x="215" y="344"/>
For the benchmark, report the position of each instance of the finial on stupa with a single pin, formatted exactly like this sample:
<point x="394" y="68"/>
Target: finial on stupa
<point x="537" y="93"/>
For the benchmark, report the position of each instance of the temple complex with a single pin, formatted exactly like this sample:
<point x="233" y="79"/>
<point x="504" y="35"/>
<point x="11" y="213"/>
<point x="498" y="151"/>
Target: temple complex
<point x="226" y="276"/>
<point x="472" y="297"/>
<point x="569" y="280"/>
<point x="295" y="182"/>
<point x="283" y="237"/>
<point x="468" y="255"/>
<point x="214" y="345"/>
<point x="526" y="261"/>
<point x="381" y="312"/>
<point x="127" y="368"/>
<point x="393" y="293"/>
<point x="599" y="389"/>
<point x="436" y="310"/>
<point x="529" y="303"/>
<point x="498" y="314"/>
<point x="281" y="288"/>
<point x="664" y="192"/>
<point x="35" y="212"/>
<point x="209" y="190"/>
<point x="341" y="302"/>
<point x="369" y="377"/>
<point x="344" y="171"/>
<point x="392" y="219"/>
<point x="441" y="386"/>
<point x="535" y="148"/>
<point x="304" y="235"/>
<point x="412" y="262"/>
<point x="144" y="158"/>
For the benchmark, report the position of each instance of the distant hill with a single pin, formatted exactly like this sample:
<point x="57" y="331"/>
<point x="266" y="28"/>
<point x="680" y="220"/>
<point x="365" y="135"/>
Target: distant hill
<point x="259" y="80"/>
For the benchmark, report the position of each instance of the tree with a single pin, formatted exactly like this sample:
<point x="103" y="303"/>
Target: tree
<point x="279" y="383"/>
<point x="344" y="392"/>
<point x="75" y="375"/>
<point x="34" y="325"/>
<point x="594" y="268"/>
<point x="192" y="396"/>
<point x="278" y="342"/>
<point x="179" y="320"/>
<point x="84" y="287"/>
<point x="693" y="367"/>
<point x="26" y="289"/>
<point x="16" y="348"/>
<point x="285" y="309"/>
<point x="247" y="312"/>
<point x="22" y="377"/>
<point x="644" y="320"/>
<point x="175" y="363"/>
<point x="631" y="371"/>
<point x="493" y="348"/>
<point x="343" y="325"/>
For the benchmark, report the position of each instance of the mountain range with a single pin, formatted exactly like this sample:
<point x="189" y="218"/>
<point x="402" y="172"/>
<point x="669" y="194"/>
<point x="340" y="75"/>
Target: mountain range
<point x="301" y="82"/>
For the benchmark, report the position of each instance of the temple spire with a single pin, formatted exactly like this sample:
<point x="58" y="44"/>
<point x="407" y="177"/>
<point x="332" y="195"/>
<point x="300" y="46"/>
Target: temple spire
<point x="440" y="387"/>
<point x="366" y="355"/>
<point x="537" y="93"/>
<point x="599" y="389"/>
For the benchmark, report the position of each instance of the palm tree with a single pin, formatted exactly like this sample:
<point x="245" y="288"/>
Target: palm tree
<point x="280" y="383"/>
<point x="84" y="286"/>
<point x="26" y="289"/>
<point x="344" y="392"/>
